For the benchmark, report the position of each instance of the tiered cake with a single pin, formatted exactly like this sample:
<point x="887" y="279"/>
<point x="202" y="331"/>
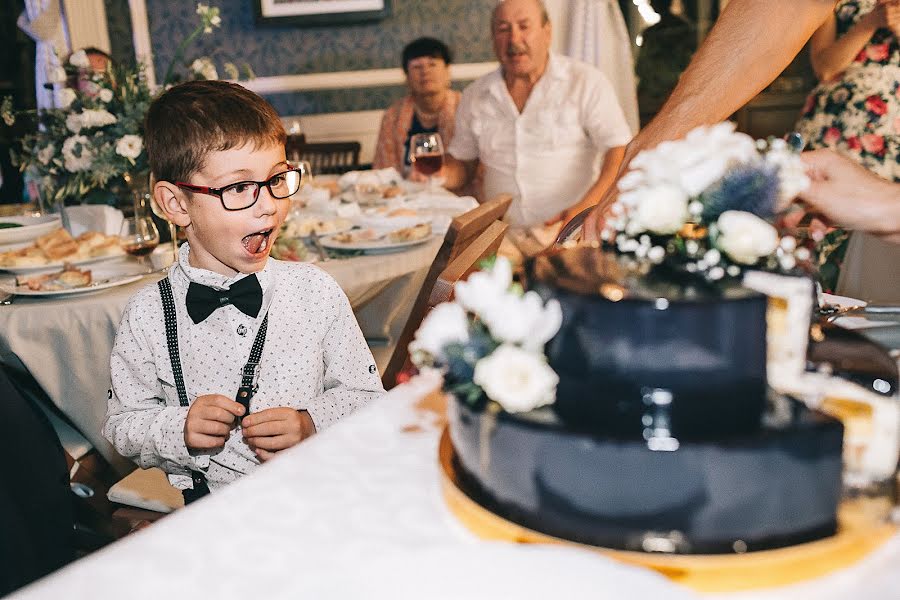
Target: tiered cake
<point x="664" y="435"/>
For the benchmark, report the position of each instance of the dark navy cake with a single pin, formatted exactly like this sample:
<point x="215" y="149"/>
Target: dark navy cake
<point x="664" y="436"/>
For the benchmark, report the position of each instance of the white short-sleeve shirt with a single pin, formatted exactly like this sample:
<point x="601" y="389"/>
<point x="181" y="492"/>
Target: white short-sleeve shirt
<point x="548" y="155"/>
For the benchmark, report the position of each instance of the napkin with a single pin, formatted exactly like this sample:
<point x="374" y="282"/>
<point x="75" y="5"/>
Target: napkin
<point x="95" y="217"/>
<point x="388" y="176"/>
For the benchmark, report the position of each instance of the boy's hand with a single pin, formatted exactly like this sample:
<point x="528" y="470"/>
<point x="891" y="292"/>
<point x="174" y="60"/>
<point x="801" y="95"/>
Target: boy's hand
<point x="209" y="421"/>
<point x="274" y="429"/>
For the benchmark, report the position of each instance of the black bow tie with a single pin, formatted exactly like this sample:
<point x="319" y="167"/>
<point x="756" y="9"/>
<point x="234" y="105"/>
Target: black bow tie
<point x="245" y="294"/>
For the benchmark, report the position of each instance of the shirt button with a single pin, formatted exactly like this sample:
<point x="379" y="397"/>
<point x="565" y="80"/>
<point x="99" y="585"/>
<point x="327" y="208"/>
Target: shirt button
<point x="241" y="330"/>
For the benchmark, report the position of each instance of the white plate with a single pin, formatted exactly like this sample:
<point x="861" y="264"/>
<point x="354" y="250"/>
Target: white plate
<point x="31" y="228"/>
<point x="373" y="246"/>
<point x="102" y="279"/>
<point x="59" y="265"/>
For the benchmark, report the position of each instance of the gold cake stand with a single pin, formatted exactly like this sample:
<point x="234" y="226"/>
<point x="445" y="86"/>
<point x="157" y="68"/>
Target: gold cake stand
<point x="858" y="535"/>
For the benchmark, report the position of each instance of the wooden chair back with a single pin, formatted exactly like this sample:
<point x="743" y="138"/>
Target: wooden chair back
<point x="484" y="246"/>
<point x="330" y="158"/>
<point x="463" y="230"/>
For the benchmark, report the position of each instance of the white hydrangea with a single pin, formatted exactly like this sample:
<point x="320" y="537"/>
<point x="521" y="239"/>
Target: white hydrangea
<point x="483" y="289"/>
<point x="105" y="95"/>
<point x="523" y="320"/>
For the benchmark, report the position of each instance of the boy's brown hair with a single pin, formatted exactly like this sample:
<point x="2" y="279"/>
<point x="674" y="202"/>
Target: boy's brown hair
<point x="192" y="119"/>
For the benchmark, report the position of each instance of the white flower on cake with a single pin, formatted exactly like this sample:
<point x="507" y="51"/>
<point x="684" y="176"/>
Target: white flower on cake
<point x="714" y="189"/>
<point x="130" y="146"/>
<point x="63" y="97"/>
<point x="661" y="209"/>
<point x="77" y="154"/>
<point x="484" y="289"/>
<point x="80" y="59"/>
<point x="523" y="319"/>
<point x="444" y="325"/>
<point x="745" y="237"/>
<point x="489" y="342"/>
<point x="516" y="379"/>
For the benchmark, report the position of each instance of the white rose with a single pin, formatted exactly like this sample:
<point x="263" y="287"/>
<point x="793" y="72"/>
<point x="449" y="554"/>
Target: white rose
<point x="523" y="320"/>
<point x="63" y="97"/>
<point x="105" y="95"/>
<point x="662" y="209"/>
<point x="484" y="288"/>
<point x="745" y="237"/>
<point x="80" y="59"/>
<point x="84" y="158"/>
<point x="516" y="379"/>
<point x="445" y="324"/>
<point x="130" y="146"/>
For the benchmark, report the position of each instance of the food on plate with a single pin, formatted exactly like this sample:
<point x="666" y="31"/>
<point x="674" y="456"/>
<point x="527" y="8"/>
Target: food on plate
<point x="289" y="248"/>
<point x="402" y="212"/>
<point x="7" y="225"/>
<point x="58" y="246"/>
<point x="391" y="191"/>
<point x="360" y="235"/>
<point x="67" y="279"/>
<point x="305" y="226"/>
<point x="331" y="185"/>
<point x="409" y="234"/>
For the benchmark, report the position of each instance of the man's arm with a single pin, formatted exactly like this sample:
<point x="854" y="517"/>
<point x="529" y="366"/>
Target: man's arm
<point x="607" y="175"/>
<point x="751" y="43"/>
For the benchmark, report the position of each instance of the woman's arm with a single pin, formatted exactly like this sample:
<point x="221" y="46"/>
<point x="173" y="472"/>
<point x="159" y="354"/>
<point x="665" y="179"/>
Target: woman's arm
<point x="831" y="55"/>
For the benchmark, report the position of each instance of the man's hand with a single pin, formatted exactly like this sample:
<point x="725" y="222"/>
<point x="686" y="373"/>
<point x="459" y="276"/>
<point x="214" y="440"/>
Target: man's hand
<point x="274" y="429"/>
<point x="209" y="421"/>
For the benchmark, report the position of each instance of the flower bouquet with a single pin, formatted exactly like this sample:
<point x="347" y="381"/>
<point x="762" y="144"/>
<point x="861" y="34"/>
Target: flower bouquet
<point x="92" y="140"/>
<point x="489" y="342"/>
<point x="704" y="205"/>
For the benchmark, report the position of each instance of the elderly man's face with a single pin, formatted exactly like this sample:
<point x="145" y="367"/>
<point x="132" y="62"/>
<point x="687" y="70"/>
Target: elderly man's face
<point x="521" y="38"/>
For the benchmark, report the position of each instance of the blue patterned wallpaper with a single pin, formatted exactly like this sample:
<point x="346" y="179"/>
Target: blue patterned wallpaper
<point x="289" y="50"/>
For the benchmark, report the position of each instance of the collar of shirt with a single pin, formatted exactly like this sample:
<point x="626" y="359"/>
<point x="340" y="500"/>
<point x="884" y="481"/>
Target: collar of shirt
<point x="216" y="280"/>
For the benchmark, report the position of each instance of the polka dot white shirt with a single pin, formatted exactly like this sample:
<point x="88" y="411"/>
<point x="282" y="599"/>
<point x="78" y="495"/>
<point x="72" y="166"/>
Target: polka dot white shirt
<point x="315" y="358"/>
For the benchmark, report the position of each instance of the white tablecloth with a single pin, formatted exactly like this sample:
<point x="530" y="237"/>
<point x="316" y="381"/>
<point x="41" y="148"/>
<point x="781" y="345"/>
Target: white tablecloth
<point x="65" y="343"/>
<point x="357" y="512"/>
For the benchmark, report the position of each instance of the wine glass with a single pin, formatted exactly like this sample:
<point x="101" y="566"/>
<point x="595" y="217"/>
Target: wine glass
<point x="139" y="237"/>
<point x="426" y="153"/>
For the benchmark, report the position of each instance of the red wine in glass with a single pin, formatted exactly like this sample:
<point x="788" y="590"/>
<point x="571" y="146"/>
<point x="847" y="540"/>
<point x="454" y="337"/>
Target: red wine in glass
<point x="141" y="249"/>
<point x="428" y="164"/>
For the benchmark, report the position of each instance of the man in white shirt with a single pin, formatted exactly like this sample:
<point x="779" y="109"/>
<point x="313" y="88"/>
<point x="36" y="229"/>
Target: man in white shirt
<point x="538" y="124"/>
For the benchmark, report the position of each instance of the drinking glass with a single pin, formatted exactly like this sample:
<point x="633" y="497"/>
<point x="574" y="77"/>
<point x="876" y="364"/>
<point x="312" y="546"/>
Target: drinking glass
<point x="139" y="237"/>
<point x="426" y="153"/>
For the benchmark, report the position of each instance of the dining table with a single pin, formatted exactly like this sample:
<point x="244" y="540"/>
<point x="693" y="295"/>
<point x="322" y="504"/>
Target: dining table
<point x="358" y="511"/>
<point x="64" y="342"/>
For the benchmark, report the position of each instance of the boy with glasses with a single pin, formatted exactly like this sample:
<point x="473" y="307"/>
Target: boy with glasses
<point x="234" y="356"/>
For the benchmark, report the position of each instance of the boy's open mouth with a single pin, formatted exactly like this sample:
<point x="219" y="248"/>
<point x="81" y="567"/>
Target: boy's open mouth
<point x="258" y="242"/>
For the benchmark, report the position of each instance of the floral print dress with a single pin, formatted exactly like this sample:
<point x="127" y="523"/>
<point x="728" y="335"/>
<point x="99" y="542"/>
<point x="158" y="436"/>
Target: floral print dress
<point x="858" y="113"/>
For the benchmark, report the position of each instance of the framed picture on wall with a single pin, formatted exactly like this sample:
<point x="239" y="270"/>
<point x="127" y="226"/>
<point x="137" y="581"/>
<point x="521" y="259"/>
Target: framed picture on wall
<point x="319" y="12"/>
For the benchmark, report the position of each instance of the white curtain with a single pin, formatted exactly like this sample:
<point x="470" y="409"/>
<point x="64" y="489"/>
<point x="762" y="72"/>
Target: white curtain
<point x="598" y="35"/>
<point x="43" y="21"/>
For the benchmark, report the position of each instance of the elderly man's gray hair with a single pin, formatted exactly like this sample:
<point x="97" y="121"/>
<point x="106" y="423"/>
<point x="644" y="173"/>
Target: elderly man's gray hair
<point x="545" y="16"/>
